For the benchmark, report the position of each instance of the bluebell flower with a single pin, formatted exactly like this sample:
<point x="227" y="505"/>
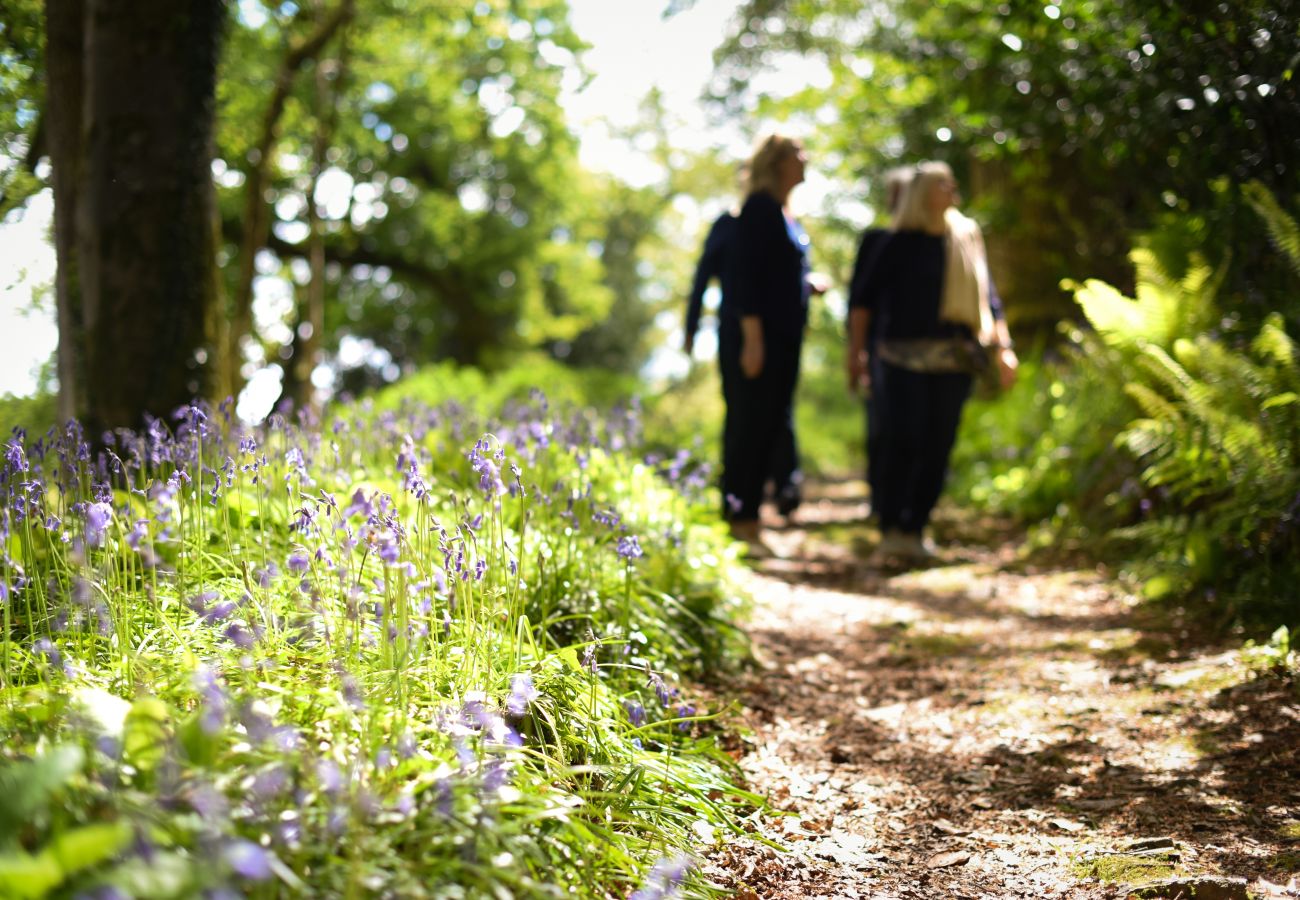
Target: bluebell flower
<point x="635" y="712"/>
<point x="629" y="548"/>
<point x="496" y="775"/>
<point x="269" y="783"/>
<point x="664" y="879"/>
<point x="16" y="456"/>
<point x="248" y="860"/>
<point x="522" y="693"/>
<point x="685" y="711"/>
<point x="298" y="561"/>
<point x="329" y="776"/>
<point x="241" y="637"/>
<point x="214" y="702"/>
<point x="98" y="516"/>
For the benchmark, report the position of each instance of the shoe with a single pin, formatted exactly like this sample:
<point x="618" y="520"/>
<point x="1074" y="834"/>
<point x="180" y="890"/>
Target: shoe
<point x="750" y="533"/>
<point x="788" y="500"/>
<point x="917" y="547"/>
<point x="894" y="548"/>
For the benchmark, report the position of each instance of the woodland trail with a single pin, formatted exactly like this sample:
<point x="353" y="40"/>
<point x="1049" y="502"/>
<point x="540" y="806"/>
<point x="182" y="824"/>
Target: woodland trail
<point x="987" y="728"/>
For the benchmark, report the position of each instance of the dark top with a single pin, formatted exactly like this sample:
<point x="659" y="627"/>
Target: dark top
<point x="769" y="268"/>
<point x="901" y="284"/>
<point x="712" y="264"/>
<point x="871" y="239"/>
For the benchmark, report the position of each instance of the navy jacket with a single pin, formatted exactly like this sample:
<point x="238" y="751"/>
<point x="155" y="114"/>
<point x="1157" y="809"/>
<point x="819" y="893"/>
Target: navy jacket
<point x="713" y="264"/>
<point x="769" y="268"/>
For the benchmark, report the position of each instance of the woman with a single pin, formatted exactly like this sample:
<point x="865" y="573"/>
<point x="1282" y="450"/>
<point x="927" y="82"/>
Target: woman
<point x="937" y="319"/>
<point x="760" y="333"/>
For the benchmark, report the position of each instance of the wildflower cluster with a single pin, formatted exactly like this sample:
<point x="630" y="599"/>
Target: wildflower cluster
<point x="264" y="649"/>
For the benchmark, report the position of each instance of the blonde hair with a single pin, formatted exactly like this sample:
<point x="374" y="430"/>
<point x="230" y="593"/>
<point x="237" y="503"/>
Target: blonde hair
<point x="913" y="210"/>
<point x="896" y="182"/>
<point x="763" y="171"/>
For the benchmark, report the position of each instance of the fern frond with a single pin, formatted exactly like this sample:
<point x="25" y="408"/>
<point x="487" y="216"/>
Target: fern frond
<point x="1281" y="225"/>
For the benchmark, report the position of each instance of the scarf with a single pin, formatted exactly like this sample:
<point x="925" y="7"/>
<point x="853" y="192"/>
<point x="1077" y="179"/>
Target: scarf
<point x="966" y="277"/>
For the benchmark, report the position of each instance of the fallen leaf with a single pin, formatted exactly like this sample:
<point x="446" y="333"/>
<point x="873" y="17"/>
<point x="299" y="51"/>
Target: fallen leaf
<point x="943" y="826"/>
<point x="951" y="858"/>
<point x="1067" y="825"/>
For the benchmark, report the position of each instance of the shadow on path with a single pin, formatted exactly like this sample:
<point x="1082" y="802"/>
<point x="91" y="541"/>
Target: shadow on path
<point x="970" y="730"/>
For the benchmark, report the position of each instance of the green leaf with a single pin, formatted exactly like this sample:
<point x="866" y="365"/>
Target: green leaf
<point x="200" y="747"/>
<point x="27" y="877"/>
<point x="89" y="845"/>
<point x="145" y="733"/>
<point x="27" y="786"/>
<point x="1285" y="399"/>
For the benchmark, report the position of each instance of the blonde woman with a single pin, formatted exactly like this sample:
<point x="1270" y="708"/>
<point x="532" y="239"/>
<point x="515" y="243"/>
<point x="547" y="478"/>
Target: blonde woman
<point x="760" y="333"/>
<point x="928" y="299"/>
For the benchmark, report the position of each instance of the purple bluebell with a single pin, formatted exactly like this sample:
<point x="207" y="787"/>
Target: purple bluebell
<point x="352" y="692"/>
<point x="214" y="704"/>
<point x="329" y="776"/>
<point x="662" y="691"/>
<point x="16" y="456"/>
<point x="635" y="712"/>
<point x="629" y="547"/>
<point x="269" y="783"/>
<point x="240" y="636"/>
<point x="664" y="879"/>
<point x="298" y="561"/>
<point x="389" y="549"/>
<point x="685" y="711"/>
<point x="248" y="860"/>
<point x="522" y="693"/>
<point x="496" y="775"/>
<point x="98" y="517"/>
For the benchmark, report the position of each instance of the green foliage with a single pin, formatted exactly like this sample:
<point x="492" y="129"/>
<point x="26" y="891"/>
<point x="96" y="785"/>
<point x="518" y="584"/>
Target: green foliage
<point x="458" y="221"/>
<point x="1277" y="655"/>
<point x="1074" y="127"/>
<point x="22" y="50"/>
<point x="1178" y="446"/>
<point x="35" y="414"/>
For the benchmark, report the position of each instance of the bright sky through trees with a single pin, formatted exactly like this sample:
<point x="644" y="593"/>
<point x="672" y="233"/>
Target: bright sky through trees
<point x="633" y="49"/>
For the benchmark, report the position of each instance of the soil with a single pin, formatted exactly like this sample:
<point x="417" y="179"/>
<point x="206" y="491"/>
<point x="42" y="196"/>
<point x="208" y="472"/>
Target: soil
<point x="989" y="726"/>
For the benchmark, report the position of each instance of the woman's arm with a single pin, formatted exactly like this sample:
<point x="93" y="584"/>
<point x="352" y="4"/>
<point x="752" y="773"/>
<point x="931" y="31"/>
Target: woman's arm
<point x="709" y="267"/>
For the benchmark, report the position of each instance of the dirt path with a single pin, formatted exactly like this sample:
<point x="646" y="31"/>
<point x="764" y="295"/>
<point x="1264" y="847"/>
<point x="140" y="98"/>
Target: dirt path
<point x="982" y="728"/>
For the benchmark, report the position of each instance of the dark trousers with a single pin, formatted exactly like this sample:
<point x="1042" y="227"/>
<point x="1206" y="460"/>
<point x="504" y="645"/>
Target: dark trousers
<point x="758" y="437"/>
<point x="918" y="414"/>
<point x="874" y="431"/>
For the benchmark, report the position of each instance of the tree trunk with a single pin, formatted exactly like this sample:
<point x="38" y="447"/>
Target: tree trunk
<point x="64" y="49"/>
<point x="134" y="184"/>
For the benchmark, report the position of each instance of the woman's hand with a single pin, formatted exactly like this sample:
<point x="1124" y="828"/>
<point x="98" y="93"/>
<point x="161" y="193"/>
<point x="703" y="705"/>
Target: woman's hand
<point x="818" y="283"/>
<point x="859" y="377"/>
<point x="751" y="346"/>
<point x="1008" y="365"/>
<point x="751" y="358"/>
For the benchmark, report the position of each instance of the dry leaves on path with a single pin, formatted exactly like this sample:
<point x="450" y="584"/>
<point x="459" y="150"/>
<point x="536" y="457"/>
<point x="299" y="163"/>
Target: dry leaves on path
<point x="982" y="728"/>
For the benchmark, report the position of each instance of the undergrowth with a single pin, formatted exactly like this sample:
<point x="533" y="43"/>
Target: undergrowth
<point x="410" y="651"/>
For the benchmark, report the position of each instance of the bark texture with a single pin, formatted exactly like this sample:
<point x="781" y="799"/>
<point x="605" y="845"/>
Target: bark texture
<point x="131" y="146"/>
<point x="65" y="47"/>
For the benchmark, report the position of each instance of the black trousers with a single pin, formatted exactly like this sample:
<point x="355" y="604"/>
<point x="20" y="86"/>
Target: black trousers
<point x="874" y="430"/>
<point x="918" y="414"/>
<point x="758" y="436"/>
